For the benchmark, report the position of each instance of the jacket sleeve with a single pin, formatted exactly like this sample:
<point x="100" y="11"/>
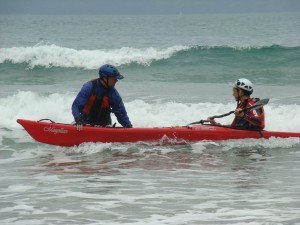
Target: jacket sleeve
<point x="119" y="110"/>
<point x="81" y="99"/>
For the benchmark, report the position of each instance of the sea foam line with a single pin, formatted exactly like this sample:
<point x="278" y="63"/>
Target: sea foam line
<point x="51" y="55"/>
<point x="56" y="56"/>
<point x="57" y="106"/>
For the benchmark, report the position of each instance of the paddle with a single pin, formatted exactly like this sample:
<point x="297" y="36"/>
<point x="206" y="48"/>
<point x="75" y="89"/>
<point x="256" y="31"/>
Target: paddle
<point x="256" y="105"/>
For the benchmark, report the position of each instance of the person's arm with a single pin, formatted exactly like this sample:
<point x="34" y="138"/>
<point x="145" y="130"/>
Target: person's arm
<point x="80" y="101"/>
<point x="253" y="117"/>
<point x="119" y="110"/>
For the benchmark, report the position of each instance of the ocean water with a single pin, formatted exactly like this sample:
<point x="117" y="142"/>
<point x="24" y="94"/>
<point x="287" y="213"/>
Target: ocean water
<point x="178" y="69"/>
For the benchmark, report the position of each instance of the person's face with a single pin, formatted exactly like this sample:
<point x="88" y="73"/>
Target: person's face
<point x="112" y="81"/>
<point x="236" y="93"/>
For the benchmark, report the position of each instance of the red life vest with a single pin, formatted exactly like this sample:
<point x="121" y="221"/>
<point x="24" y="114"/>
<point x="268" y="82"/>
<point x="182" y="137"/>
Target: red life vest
<point x="97" y="108"/>
<point x="253" y="120"/>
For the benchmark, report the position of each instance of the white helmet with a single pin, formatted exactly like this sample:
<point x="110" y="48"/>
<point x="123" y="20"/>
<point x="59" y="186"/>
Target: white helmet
<point x="244" y="84"/>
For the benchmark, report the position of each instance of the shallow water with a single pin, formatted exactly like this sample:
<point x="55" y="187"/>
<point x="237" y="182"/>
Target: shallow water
<point x="178" y="69"/>
<point x="228" y="182"/>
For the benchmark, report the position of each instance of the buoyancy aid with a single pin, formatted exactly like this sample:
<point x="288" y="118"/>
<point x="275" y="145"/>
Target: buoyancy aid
<point x="97" y="110"/>
<point x="253" y="120"/>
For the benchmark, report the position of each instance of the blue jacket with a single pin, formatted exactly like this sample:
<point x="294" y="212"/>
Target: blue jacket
<point x="114" y="98"/>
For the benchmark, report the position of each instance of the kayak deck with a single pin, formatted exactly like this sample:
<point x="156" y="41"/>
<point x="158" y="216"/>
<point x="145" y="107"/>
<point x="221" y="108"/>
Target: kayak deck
<point x="68" y="135"/>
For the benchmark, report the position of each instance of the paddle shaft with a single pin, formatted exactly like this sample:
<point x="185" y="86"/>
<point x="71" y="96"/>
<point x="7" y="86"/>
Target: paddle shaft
<point x="256" y="105"/>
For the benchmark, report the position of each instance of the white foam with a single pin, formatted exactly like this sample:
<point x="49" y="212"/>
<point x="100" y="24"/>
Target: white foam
<point x="19" y="188"/>
<point x="30" y="105"/>
<point x="271" y="143"/>
<point x="53" y="55"/>
<point x="57" y="106"/>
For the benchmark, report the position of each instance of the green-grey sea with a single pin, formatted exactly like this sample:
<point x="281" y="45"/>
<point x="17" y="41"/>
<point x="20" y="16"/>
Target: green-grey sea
<point x="178" y="69"/>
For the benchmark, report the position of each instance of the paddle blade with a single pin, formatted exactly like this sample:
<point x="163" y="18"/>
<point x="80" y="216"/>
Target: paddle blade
<point x="258" y="105"/>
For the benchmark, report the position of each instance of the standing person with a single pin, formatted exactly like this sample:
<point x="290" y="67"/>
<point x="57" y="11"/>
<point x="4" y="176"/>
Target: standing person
<point x="98" y="98"/>
<point x="252" y="120"/>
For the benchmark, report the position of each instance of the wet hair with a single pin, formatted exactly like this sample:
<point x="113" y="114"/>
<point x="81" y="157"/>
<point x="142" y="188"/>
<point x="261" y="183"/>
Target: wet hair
<point x="247" y="93"/>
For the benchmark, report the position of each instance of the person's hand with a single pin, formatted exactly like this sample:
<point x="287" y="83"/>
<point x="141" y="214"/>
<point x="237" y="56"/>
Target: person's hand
<point x="79" y="124"/>
<point x="239" y="112"/>
<point x="212" y="121"/>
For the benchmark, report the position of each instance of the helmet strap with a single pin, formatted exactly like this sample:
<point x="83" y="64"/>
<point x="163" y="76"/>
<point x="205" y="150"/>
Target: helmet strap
<point x="238" y="102"/>
<point x="104" y="82"/>
<point x="238" y="98"/>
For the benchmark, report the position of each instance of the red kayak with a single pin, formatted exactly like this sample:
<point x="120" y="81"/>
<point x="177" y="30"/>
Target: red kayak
<point x="67" y="135"/>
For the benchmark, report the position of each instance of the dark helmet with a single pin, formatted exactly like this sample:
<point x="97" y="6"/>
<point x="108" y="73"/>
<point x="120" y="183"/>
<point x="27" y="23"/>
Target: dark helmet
<point x="109" y="71"/>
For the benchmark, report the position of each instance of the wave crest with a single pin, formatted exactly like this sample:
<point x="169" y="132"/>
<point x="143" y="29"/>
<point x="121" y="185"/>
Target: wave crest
<point x="46" y="55"/>
<point x="31" y="105"/>
<point x="56" y="56"/>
